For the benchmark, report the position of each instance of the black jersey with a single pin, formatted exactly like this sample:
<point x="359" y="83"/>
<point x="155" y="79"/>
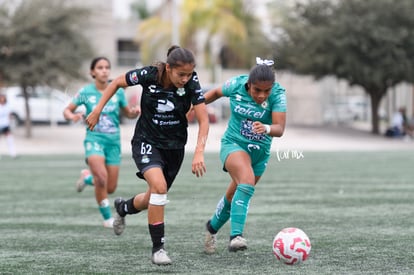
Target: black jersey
<point x="163" y="122"/>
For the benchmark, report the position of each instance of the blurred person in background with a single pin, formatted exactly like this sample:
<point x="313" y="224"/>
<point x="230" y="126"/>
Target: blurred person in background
<point x="258" y="113"/>
<point x="168" y="91"/>
<point x="5" y="125"/>
<point x="103" y="145"/>
<point x="400" y="126"/>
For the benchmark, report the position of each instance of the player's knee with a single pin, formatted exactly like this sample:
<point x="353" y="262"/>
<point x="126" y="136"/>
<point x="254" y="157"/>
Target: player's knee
<point x="158" y="199"/>
<point x="111" y="188"/>
<point x="100" y="181"/>
<point x="159" y="188"/>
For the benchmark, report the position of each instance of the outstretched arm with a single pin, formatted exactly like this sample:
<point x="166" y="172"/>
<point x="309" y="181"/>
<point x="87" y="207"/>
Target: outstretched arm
<point x="131" y="111"/>
<point x="213" y="94"/>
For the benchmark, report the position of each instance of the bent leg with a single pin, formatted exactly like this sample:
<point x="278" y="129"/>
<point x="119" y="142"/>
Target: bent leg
<point x="112" y="181"/>
<point x="238" y="164"/>
<point x="100" y="177"/>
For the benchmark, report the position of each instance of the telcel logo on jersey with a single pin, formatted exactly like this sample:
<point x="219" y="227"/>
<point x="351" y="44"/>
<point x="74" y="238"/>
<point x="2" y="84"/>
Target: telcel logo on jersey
<point x="249" y="112"/>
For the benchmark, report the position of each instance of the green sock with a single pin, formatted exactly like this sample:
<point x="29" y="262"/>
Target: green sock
<point x="239" y="208"/>
<point x="105" y="209"/>
<point x="222" y="214"/>
<point x="88" y="180"/>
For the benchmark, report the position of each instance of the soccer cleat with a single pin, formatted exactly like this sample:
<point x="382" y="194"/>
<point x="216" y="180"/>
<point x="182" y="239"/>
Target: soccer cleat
<point x="80" y="183"/>
<point x="160" y="257"/>
<point x="109" y="223"/>
<point x="210" y="243"/>
<point x="119" y="221"/>
<point x="238" y="243"/>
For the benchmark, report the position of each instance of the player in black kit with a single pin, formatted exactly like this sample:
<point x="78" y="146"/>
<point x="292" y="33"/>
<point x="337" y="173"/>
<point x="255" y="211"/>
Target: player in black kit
<point x="169" y="90"/>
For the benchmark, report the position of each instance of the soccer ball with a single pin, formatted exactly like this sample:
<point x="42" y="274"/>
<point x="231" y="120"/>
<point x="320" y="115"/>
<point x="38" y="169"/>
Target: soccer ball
<point x="291" y="246"/>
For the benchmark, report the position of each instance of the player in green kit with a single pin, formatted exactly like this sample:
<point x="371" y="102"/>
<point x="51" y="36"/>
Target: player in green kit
<point x="258" y="113"/>
<point x="103" y="145"/>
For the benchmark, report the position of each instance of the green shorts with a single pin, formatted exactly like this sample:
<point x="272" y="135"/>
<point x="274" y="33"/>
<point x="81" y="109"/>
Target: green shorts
<point x="258" y="155"/>
<point x="108" y="147"/>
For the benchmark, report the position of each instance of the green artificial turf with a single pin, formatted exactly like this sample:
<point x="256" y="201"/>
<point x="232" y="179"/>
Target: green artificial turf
<point x="356" y="207"/>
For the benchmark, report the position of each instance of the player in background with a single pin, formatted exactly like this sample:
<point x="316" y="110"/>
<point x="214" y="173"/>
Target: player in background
<point x="258" y="113"/>
<point x="5" y="129"/>
<point x="103" y="145"/>
<point x="169" y="90"/>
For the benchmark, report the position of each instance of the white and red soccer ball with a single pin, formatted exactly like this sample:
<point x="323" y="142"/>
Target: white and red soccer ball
<point x="291" y="246"/>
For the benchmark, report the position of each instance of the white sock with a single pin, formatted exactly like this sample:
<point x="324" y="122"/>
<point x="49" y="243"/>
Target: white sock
<point x="10" y="144"/>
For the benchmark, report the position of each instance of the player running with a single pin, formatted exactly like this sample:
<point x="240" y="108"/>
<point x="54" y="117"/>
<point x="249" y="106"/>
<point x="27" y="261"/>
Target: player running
<point x="258" y="113"/>
<point x="103" y="145"/>
<point x="169" y="89"/>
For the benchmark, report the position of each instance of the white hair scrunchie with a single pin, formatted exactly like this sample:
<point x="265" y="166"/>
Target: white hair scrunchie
<point x="267" y="62"/>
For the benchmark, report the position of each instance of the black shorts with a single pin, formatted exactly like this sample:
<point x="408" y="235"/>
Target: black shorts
<point x="4" y="130"/>
<point x="147" y="156"/>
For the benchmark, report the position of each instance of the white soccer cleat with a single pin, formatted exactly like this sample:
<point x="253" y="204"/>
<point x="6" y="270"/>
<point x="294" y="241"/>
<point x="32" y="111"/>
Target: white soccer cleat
<point x="210" y="243"/>
<point x="238" y="243"/>
<point x="119" y="221"/>
<point x="160" y="257"/>
<point x="80" y="183"/>
<point x="119" y="224"/>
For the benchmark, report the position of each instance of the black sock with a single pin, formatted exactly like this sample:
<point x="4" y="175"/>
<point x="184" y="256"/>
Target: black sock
<point x="127" y="208"/>
<point x="210" y="229"/>
<point x="157" y="236"/>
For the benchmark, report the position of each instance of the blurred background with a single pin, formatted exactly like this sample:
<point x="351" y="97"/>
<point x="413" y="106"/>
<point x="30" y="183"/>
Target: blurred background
<point x="343" y="63"/>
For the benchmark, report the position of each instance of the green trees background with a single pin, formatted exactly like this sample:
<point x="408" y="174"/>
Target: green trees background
<point x="369" y="43"/>
<point x="225" y="33"/>
<point x="41" y="43"/>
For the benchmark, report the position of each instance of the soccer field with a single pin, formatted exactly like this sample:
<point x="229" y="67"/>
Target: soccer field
<point x="356" y="207"/>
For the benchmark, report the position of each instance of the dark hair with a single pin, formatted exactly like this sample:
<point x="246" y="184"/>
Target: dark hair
<point x="261" y="73"/>
<point x="177" y="56"/>
<point x="97" y="59"/>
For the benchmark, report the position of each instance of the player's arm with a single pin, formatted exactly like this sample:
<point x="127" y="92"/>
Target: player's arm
<point x="198" y="165"/>
<point x="119" y="82"/>
<point x="131" y="111"/>
<point x="213" y="94"/>
<point x="276" y="129"/>
<point x="69" y="113"/>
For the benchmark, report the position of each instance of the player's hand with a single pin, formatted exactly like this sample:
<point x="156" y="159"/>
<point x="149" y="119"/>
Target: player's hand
<point x="198" y="166"/>
<point x="92" y="119"/>
<point x="135" y="110"/>
<point x="259" y="128"/>
<point x="77" y="117"/>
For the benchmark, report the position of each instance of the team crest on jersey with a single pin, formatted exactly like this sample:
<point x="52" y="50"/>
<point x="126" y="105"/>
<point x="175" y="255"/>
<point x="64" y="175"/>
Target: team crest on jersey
<point x="133" y="78"/>
<point x="264" y="104"/>
<point x="180" y="91"/>
<point x="238" y="97"/>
